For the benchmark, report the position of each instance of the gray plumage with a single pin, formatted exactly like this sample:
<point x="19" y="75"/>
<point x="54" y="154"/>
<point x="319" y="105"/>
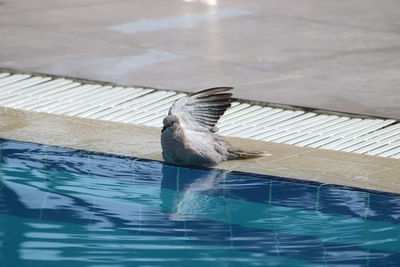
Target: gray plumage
<point x="189" y="136"/>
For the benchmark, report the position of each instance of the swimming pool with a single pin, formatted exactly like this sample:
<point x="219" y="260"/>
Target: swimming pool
<point x="67" y="207"/>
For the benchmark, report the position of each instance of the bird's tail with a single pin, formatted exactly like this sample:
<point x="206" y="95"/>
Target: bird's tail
<point x="235" y="153"/>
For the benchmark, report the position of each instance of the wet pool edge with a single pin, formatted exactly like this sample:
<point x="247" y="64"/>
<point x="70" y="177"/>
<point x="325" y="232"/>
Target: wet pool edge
<point x="305" y="165"/>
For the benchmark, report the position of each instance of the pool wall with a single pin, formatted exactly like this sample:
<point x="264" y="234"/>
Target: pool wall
<point x="69" y="205"/>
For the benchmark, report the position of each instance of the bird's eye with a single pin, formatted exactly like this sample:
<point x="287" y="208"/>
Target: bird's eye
<point x="172" y="123"/>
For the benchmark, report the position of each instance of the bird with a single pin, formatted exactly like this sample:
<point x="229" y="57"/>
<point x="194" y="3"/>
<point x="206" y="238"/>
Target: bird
<point x="189" y="135"/>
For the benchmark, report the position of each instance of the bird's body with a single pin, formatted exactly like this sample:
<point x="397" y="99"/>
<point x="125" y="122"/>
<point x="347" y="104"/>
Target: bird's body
<point x="188" y="137"/>
<point x="200" y="149"/>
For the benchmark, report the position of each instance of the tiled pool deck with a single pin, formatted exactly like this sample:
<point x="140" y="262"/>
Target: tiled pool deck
<point x="331" y="167"/>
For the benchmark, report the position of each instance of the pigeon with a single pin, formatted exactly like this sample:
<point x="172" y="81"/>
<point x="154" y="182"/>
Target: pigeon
<point x="188" y="137"/>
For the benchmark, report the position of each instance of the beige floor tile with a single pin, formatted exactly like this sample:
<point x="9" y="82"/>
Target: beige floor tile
<point x="139" y="141"/>
<point x="350" y="157"/>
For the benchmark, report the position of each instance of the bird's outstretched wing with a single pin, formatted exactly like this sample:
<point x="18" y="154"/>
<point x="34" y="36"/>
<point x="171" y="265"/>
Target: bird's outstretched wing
<point x="202" y="110"/>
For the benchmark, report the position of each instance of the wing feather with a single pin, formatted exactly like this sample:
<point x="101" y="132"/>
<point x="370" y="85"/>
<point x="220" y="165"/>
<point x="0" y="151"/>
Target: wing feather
<point x="202" y="110"/>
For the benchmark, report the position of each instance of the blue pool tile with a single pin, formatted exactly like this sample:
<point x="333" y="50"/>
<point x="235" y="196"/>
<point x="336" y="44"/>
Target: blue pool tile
<point x="383" y="208"/>
<point x="201" y="212"/>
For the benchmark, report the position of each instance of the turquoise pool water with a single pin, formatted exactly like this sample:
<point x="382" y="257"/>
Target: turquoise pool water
<point x="66" y="207"/>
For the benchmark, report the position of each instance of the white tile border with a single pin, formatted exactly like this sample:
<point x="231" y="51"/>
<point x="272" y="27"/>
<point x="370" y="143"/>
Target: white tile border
<point x="145" y="106"/>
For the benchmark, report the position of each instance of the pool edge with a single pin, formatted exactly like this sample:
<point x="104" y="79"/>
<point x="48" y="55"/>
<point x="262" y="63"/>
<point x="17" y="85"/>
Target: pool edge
<point x="313" y="165"/>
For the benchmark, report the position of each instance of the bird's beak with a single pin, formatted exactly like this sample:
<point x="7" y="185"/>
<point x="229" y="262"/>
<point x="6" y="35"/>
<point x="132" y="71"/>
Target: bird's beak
<point x="163" y="129"/>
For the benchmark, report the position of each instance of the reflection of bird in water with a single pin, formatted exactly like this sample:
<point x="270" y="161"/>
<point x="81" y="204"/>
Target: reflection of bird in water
<point x="188" y="137"/>
<point x="195" y="192"/>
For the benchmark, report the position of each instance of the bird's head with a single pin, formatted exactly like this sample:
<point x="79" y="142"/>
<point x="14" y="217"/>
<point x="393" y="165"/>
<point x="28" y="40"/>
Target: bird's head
<point x="171" y="122"/>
